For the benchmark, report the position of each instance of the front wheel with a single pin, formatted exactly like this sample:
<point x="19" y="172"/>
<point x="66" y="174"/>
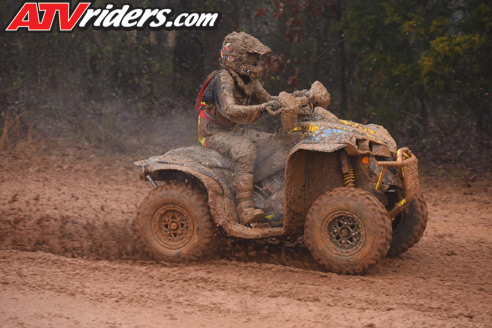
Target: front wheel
<point x="174" y="222"/>
<point x="348" y="230"/>
<point x="409" y="226"/>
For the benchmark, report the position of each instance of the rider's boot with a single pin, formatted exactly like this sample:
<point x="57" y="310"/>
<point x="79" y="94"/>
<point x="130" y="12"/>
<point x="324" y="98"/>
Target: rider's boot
<point x="243" y="183"/>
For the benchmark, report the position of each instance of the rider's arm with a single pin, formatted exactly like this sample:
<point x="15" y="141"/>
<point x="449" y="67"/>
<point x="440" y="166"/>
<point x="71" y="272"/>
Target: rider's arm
<point x="240" y="114"/>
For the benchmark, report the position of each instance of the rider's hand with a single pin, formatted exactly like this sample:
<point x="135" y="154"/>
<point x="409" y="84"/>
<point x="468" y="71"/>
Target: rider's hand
<point x="273" y="107"/>
<point x="272" y="104"/>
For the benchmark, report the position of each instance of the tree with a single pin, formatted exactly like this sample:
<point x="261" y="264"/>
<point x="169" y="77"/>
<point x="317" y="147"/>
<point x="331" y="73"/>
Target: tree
<point x="417" y="54"/>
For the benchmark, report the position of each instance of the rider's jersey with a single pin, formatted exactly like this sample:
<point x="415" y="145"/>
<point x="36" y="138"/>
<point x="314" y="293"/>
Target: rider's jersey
<point x="226" y="104"/>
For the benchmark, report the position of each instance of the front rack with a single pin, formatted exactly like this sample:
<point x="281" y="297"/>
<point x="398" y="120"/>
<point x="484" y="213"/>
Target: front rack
<point x="408" y="163"/>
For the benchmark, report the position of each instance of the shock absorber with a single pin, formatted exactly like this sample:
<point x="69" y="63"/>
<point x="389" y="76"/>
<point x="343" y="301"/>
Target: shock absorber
<point x="349" y="178"/>
<point x="348" y="172"/>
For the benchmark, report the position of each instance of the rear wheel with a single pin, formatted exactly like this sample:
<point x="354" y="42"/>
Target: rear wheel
<point x="348" y="230"/>
<point x="174" y="222"/>
<point x="409" y="226"/>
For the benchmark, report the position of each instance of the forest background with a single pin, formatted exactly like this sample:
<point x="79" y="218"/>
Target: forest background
<point x="421" y="68"/>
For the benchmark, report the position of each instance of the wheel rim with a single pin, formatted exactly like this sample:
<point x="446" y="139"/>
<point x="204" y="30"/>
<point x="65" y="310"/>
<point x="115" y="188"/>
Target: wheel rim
<point x="343" y="232"/>
<point x="172" y="226"/>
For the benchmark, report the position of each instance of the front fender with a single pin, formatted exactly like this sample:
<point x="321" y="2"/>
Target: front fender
<point x="321" y="147"/>
<point x="307" y="163"/>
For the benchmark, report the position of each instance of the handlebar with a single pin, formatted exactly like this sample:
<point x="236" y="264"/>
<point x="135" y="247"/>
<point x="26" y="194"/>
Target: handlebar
<point x="294" y="104"/>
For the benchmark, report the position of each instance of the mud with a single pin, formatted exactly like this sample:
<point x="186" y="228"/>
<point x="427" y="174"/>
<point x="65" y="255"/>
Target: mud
<point x="92" y="216"/>
<point x="319" y="96"/>
<point x="69" y="258"/>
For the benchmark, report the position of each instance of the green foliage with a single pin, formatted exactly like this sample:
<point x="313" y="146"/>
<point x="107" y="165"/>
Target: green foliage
<point x="433" y="54"/>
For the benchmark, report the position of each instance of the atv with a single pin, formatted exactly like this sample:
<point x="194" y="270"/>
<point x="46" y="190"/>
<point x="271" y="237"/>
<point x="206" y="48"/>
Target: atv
<point x="343" y="186"/>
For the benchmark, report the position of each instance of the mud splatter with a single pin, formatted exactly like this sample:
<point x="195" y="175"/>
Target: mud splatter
<point x="69" y="236"/>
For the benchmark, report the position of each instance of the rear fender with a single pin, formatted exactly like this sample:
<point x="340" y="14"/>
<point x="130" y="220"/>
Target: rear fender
<point x="220" y="200"/>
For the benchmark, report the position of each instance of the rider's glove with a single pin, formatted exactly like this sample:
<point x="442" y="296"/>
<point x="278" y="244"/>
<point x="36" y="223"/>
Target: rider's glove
<point x="272" y="104"/>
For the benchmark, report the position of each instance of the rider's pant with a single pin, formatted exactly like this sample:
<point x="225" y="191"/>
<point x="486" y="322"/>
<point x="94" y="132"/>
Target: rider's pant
<point x="243" y="151"/>
<point x="238" y="147"/>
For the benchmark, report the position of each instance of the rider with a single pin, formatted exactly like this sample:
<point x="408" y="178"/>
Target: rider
<point x="232" y="97"/>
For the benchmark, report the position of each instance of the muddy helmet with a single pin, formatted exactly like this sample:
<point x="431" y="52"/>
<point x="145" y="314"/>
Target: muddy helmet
<point x="241" y="52"/>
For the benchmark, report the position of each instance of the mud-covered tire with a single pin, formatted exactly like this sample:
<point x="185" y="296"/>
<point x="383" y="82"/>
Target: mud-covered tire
<point x="347" y="230"/>
<point x="174" y="222"/>
<point x="409" y="227"/>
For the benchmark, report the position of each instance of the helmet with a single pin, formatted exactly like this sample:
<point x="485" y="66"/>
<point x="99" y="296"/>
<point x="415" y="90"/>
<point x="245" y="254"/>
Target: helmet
<point x="241" y="53"/>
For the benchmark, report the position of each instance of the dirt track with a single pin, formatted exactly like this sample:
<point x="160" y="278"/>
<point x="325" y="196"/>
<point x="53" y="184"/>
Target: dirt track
<point x="69" y="258"/>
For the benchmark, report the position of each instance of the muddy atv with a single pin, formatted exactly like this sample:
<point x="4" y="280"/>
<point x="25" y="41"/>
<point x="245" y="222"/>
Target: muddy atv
<point x="344" y="186"/>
